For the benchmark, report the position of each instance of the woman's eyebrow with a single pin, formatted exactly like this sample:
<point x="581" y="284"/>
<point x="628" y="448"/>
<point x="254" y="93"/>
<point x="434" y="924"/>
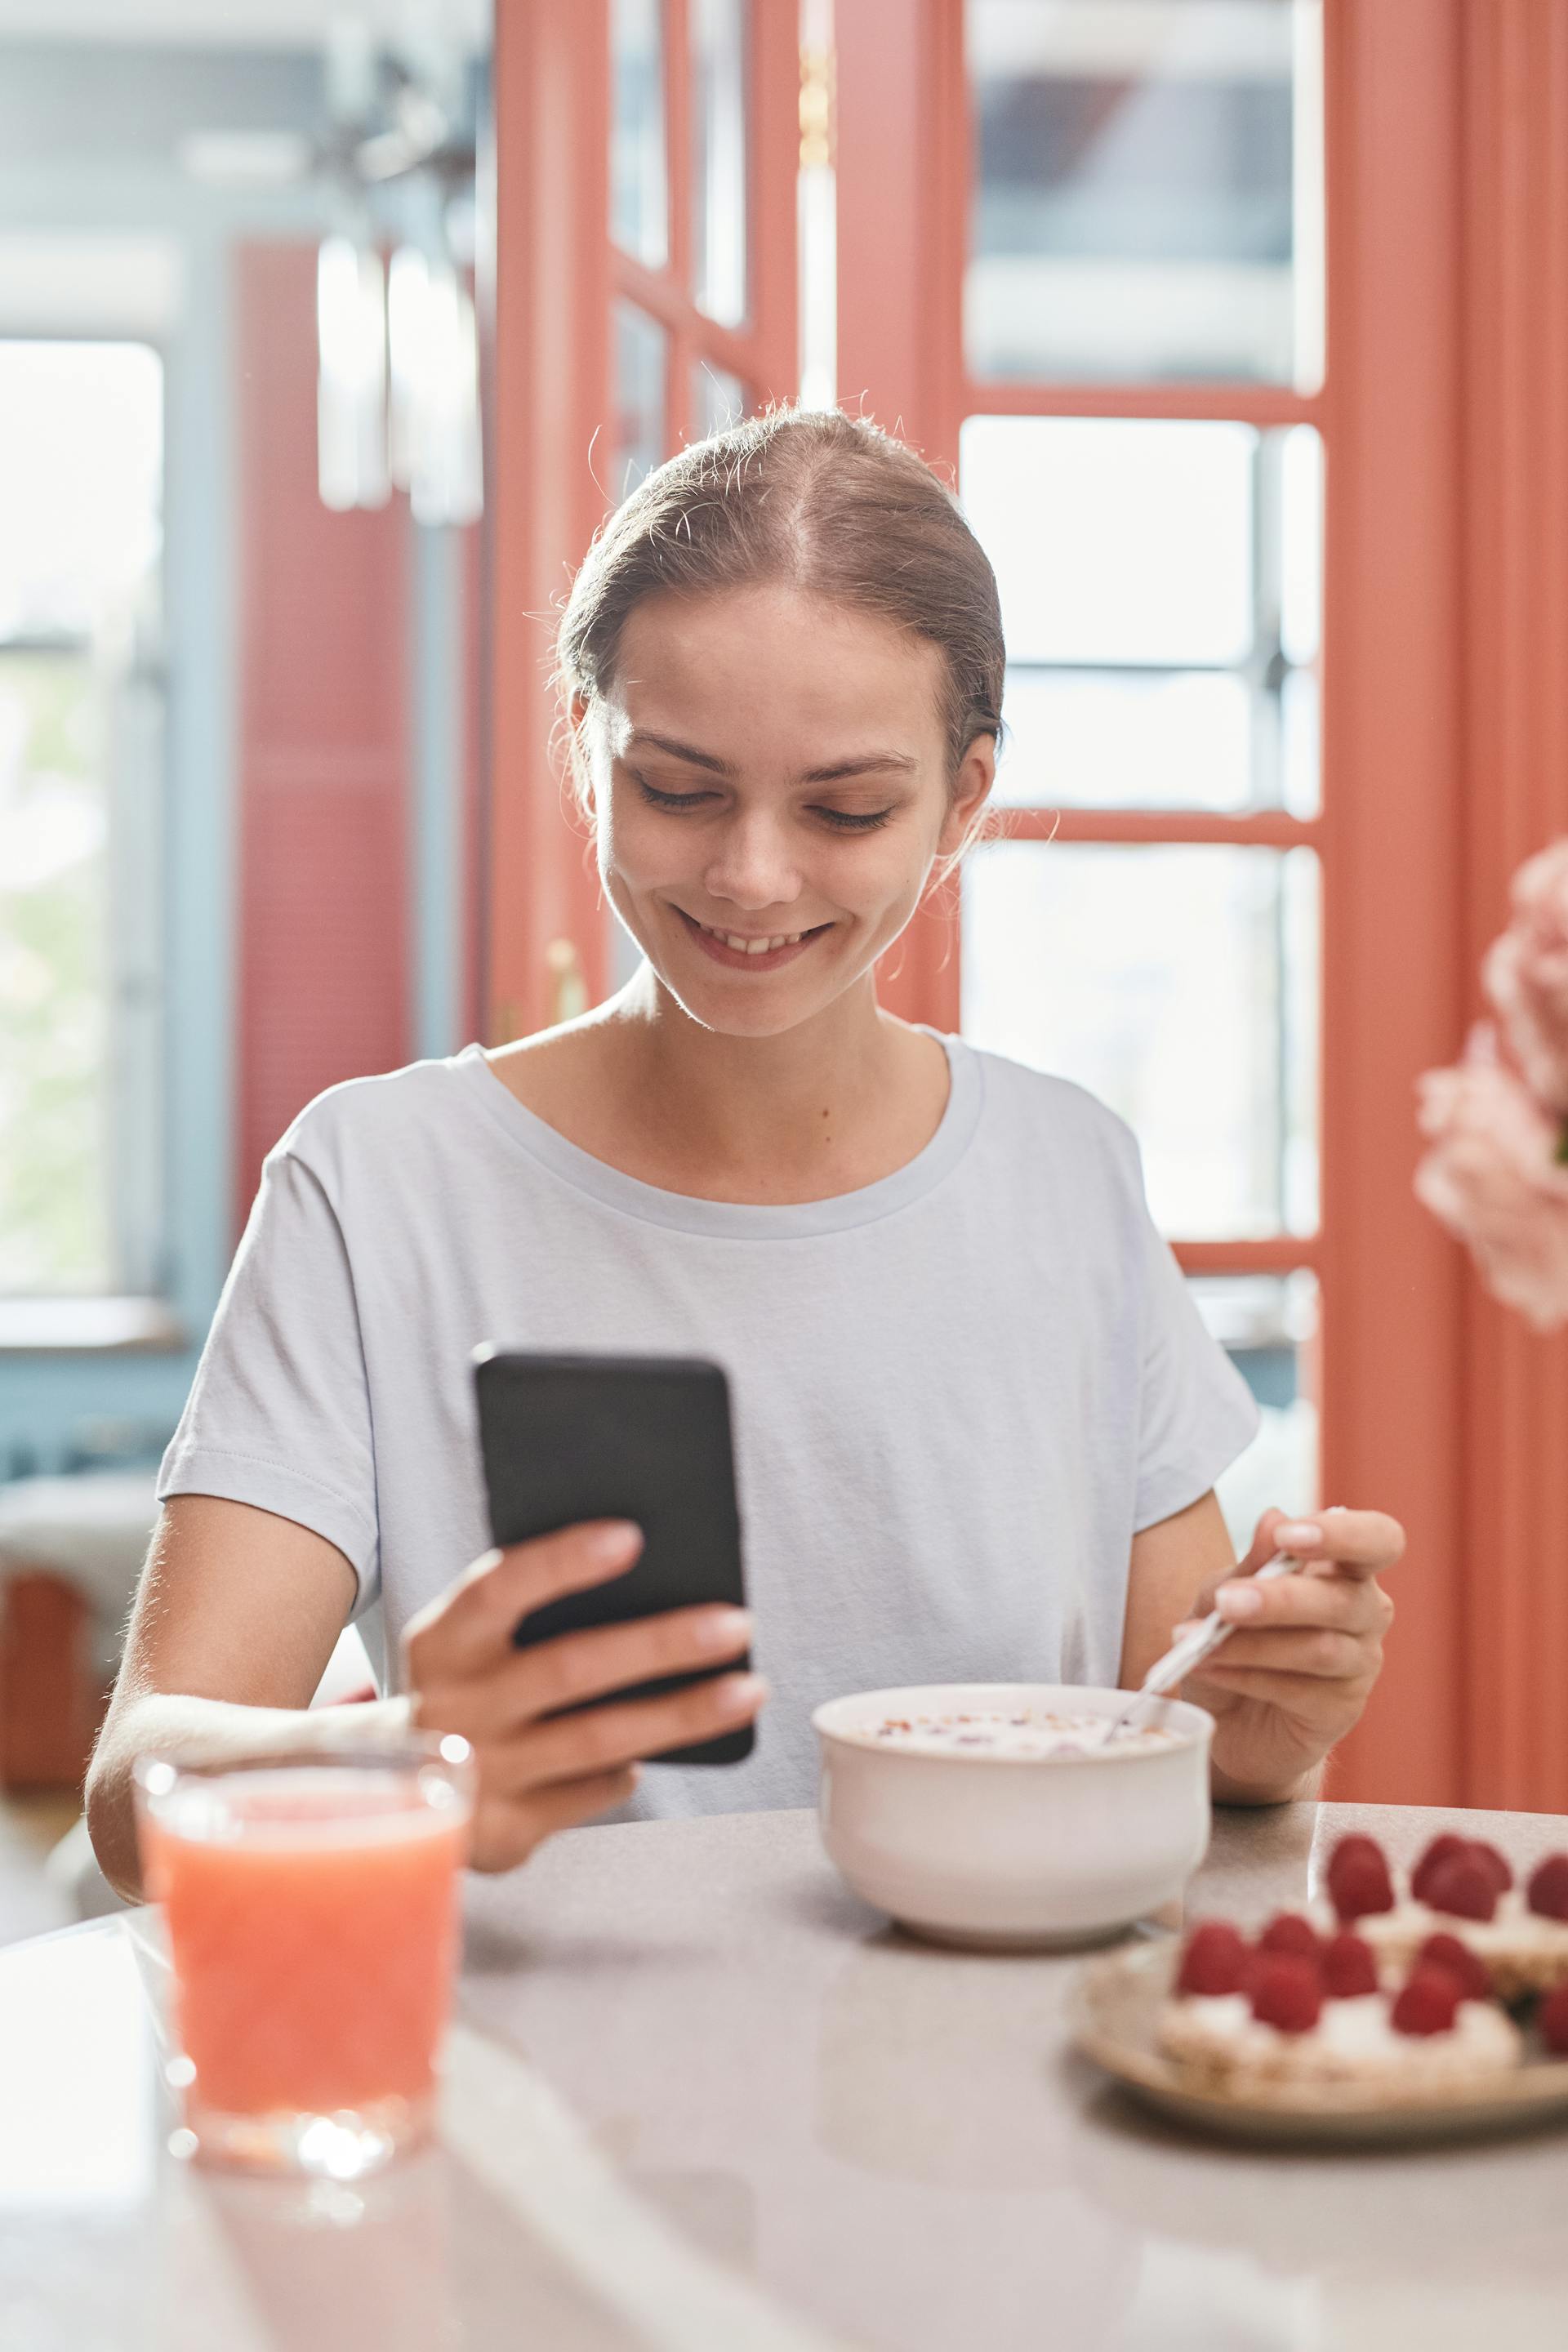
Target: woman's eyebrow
<point x="868" y="763"/>
<point x="686" y="751"/>
<point x="903" y="762"/>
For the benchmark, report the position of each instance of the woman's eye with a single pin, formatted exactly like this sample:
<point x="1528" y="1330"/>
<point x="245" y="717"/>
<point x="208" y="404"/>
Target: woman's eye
<point x="841" y="820"/>
<point x="847" y="823"/>
<point x="657" y="799"/>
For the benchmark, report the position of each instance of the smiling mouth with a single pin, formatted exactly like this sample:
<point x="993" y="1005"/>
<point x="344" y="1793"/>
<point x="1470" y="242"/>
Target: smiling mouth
<point x="758" y="944"/>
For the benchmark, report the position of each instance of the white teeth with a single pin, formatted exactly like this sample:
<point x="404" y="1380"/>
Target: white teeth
<point x="751" y="946"/>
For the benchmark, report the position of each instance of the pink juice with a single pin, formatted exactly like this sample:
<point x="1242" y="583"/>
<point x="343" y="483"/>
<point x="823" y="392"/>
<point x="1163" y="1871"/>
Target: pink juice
<point x="313" y="1925"/>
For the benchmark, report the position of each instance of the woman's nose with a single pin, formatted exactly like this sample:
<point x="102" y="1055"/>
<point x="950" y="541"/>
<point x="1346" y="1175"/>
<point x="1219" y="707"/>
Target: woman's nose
<point x="753" y="868"/>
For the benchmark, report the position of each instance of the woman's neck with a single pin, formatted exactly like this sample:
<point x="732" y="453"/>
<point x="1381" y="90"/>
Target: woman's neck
<point x="824" y="1108"/>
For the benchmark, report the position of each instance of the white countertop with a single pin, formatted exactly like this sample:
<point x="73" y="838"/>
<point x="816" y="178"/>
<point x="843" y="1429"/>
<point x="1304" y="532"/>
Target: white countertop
<point x="701" y="2099"/>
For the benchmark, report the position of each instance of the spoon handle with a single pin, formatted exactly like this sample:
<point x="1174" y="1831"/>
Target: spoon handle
<point x="1204" y="1638"/>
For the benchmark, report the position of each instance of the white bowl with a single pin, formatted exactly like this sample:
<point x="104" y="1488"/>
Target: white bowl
<point x="1002" y="1851"/>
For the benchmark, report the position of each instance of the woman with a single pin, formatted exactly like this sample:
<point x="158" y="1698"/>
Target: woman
<point x="978" y="1420"/>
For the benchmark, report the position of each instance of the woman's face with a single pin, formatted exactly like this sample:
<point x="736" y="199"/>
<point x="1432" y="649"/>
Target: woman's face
<point x="770" y="791"/>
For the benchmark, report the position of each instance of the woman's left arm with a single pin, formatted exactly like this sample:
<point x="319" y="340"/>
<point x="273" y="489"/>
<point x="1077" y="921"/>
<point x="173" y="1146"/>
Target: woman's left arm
<point x="1300" y="1668"/>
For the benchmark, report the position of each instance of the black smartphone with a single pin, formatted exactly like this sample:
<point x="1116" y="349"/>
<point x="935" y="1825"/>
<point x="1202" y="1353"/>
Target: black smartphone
<point x="568" y="1438"/>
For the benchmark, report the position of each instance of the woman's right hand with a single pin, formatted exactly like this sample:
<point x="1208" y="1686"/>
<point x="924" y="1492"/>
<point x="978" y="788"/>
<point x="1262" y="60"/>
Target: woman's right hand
<point x="539" y="1770"/>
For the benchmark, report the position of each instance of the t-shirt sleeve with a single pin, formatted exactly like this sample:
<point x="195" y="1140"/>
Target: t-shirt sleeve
<point x="279" y="1416"/>
<point x="1197" y="1413"/>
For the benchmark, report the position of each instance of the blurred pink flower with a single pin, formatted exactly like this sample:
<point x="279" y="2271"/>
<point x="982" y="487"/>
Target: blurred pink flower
<point x="1492" y="1177"/>
<point x="1525" y="976"/>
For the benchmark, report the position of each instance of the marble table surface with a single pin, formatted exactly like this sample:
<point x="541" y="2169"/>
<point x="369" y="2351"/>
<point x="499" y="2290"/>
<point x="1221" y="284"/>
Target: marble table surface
<point x="700" y="2099"/>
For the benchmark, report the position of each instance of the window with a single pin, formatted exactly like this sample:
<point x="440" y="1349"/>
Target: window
<point x="639" y="200"/>
<point x="642" y="363"/>
<point x="1179" y="983"/>
<point x="1146" y="188"/>
<point x="1161" y="589"/>
<point x="1144" y="230"/>
<point x="80" y="708"/>
<point x="719" y="158"/>
<point x="680" y="222"/>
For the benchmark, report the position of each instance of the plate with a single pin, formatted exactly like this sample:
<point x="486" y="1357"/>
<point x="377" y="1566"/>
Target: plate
<point x="1115" y="2016"/>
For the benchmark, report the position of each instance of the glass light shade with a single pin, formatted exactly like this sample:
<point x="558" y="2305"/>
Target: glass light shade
<point x="351" y="396"/>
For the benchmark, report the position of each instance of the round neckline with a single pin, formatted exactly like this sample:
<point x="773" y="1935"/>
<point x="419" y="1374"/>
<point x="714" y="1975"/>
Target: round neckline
<point x="739" y="1220"/>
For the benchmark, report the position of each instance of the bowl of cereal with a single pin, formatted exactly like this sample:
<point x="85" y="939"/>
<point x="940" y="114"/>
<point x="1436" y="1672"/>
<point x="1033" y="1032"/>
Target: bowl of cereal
<point x="999" y="1814"/>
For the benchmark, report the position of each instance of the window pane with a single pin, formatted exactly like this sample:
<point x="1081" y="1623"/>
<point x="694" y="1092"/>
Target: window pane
<point x="719" y="158"/>
<point x="81" y="493"/>
<point x="54" y="1197"/>
<point x="1148" y="202"/>
<point x="816" y="211"/>
<point x="1080" y="738"/>
<point x="80" y="483"/>
<point x="1160" y="586"/>
<point x="639" y="194"/>
<point x="1178" y="985"/>
<point x="718" y="398"/>
<point x="1268" y="1324"/>
<point x="640" y="350"/>
<point x="1115" y="540"/>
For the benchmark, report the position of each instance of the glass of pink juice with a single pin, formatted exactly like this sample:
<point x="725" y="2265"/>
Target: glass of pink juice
<point x="311" y="1907"/>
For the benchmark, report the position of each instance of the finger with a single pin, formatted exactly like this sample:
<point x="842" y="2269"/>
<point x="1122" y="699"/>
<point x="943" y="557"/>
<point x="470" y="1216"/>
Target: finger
<point x="1351" y="1543"/>
<point x="1350" y="1606"/>
<point x="1317" y="1650"/>
<point x="558" y="1674"/>
<point x="1347" y="1546"/>
<point x="481" y="1610"/>
<point x="1264" y="1544"/>
<point x="1301" y="1696"/>
<point x="1267" y="1542"/>
<point x="506" y="1829"/>
<point x="603" y="1738"/>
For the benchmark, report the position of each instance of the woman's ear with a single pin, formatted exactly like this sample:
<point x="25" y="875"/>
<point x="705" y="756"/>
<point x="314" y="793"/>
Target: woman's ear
<point x="977" y="775"/>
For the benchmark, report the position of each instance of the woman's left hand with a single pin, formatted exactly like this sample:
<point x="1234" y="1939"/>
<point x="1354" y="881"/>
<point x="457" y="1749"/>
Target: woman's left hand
<point x="1300" y="1668"/>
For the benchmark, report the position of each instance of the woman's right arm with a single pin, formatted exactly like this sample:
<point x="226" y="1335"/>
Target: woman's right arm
<point x="234" y="1621"/>
<point x="237" y="1616"/>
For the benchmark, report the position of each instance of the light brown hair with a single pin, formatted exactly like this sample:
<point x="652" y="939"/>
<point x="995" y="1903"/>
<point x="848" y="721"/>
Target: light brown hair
<point x="815" y="501"/>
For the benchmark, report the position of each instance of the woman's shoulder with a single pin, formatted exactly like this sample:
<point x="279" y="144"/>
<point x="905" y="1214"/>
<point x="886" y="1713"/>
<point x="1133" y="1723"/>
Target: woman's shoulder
<point x="390" y="1111"/>
<point x="1050" y="1159"/>
<point x="1047" y="1113"/>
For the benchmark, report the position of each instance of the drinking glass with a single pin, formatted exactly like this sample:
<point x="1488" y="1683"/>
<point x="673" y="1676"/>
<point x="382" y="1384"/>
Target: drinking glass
<point x="311" y="1907"/>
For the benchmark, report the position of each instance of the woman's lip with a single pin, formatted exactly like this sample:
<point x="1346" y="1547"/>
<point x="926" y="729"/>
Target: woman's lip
<point x="736" y="959"/>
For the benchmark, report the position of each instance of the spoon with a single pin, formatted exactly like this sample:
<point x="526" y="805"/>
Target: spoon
<point x="1204" y="1638"/>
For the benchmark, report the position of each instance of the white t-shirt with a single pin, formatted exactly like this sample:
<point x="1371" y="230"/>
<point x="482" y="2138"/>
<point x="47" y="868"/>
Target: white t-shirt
<point x="957" y="1393"/>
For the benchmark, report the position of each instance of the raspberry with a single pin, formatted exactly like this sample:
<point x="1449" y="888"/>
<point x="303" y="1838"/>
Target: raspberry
<point x="1490" y="1860"/>
<point x="1360" y="1885"/>
<point x="1349" y="1966"/>
<point x="1214" y="1960"/>
<point x="1468" y="1970"/>
<point x="1352" y="1852"/>
<point x="1552" y="2018"/>
<point x="1441" y="1850"/>
<point x="1429" y="2003"/>
<point x="1461" y="1886"/>
<point x="1548" y="1891"/>
<point x="1291" y="1933"/>
<point x="1286" y="1992"/>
